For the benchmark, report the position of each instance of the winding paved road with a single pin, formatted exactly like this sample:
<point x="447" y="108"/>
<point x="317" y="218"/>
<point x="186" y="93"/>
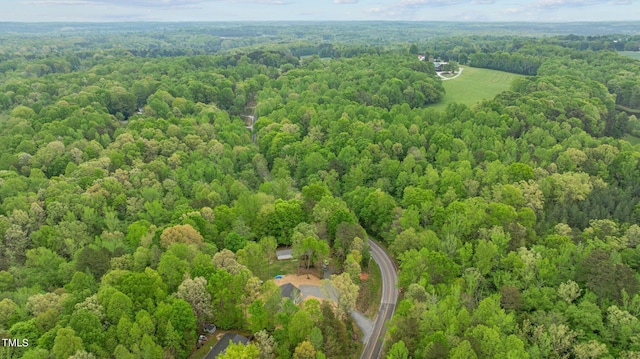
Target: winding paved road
<point x="373" y="347"/>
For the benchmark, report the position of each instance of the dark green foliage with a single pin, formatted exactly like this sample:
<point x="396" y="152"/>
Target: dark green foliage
<point x="334" y="333"/>
<point x="516" y="63"/>
<point x="94" y="261"/>
<point x="280" y="220"/>
<point x="606" y="279"/>
<point x="234" y="242"/>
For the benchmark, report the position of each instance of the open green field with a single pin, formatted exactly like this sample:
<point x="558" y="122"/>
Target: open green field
<point x="631" y="139"/>
<point x="632" y="54"/>
<point x="475" y="85"/>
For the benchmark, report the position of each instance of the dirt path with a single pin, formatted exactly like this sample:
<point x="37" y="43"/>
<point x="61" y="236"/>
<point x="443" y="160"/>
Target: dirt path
<point x="298" y="280"/>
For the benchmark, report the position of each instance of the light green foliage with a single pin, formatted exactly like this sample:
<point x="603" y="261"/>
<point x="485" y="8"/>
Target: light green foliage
<point x="9" y="312"/>
<point x="259" y="319"/>
<point x="227" y="291"/>
<point x="590" y="350"/>
<point x="352" y="266"/>
<point x="300" y="327"/>
<point x="254" y="256"/>
<point x="410" y="239"/>
<point x="344" y="290"/>
<point x="172" y="269"/>
<point x="569" y="291"/>
<point x="426" y="267"/>
<point x="280" y="220"/>
<point x="194" y="292"/>
<point x="398" y="351"/>
<point x="316" y="338"/>
<point x="88" y="327"/>
<point x="376" y="212"/>
<point x="304" y="350"/>
<point x="240" y="351"/>
<point x="310" y="249"/>
<point x="66" y="344"/>
<point x="266" y="344"/>
<point x="180" y="234"/>
<point x="463" y="351"/>
<point x="7" y="281"/>
<point x="40" y="303"/>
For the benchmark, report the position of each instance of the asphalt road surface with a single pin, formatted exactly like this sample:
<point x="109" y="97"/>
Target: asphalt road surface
<point x="373" y="347"/>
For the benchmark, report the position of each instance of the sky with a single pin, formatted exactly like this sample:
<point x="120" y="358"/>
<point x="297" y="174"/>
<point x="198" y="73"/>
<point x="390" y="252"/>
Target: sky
<point x="319" y="10"/>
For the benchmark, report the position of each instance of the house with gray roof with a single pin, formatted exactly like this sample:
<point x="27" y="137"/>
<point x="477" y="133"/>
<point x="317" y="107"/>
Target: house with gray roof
<point x="221" y="346"/>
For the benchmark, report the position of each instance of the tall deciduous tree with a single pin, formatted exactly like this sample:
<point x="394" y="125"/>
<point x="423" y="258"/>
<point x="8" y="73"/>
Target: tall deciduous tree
<point x="398" y="351"/>
<point x="66" y="343"/>
<point x="310" y="249"/>
<point x="342" y="288"/>
<point x="266" y="344"/>
<point x="304" y="350"/>
<point x="240" y="351"/>
<point x="180" y="234"/>
<point x="194" y="292"/>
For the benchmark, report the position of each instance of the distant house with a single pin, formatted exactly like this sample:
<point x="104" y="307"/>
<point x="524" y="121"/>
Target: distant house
<point x="223" y="343"/>
<point x="439" y="65"/>
<point x="209" y="328"/>
<point x="292" y="292"/>
<point x="284" y="254"/>
<point x="421" y="57"/>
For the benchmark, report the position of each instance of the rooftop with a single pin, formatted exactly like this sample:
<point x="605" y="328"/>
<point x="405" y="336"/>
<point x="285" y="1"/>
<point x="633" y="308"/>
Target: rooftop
<point x="223" y="343"/>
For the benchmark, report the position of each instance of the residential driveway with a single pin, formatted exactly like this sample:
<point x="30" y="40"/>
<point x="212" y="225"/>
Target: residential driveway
<point x="365" y="324"/>
<point x="451" y="78"/>
<point x="315" y="291"/>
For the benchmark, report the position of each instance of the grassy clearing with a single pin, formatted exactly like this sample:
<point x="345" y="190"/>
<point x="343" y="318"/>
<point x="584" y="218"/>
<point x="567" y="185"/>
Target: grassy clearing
<point x="370" y="292"/>
<point x="475" y="85"/>
<point x="631" y="139"/>
<point x="628" y="110"/>
<point x="281" y="267"/>
<point x="632" y="54"/>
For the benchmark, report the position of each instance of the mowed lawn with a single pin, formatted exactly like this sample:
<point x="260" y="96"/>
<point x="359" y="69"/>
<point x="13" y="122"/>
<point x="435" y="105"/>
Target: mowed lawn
<point x="632" y="54"/>
<point x="474" y="85"/>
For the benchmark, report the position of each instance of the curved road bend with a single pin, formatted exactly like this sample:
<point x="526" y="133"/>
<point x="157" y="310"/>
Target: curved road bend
<point x="373" y="348"/>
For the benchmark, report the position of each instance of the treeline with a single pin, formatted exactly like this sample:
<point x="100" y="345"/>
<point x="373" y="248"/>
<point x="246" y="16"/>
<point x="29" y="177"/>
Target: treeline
<point x="622" y="80"/>
<point x="516" y="63"/>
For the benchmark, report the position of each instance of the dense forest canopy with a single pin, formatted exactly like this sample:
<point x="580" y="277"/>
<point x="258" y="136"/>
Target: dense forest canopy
<point x="136" y="205"/>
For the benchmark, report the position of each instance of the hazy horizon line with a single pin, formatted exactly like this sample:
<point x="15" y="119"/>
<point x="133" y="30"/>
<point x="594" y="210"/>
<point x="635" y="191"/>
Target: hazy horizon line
<point x="320" y="21"/>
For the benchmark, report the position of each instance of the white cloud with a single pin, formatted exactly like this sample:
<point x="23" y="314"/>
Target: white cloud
<point x="412" y="9"/>
<point x="554" y="4"/>
<point x="437" y="3"/>
<point x="150" y="3"/>
<point x="60" y="2"/>
<point x="345" y="1"/>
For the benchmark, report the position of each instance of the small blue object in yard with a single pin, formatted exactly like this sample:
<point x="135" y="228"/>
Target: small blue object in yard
<point x="279" y="276"/>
